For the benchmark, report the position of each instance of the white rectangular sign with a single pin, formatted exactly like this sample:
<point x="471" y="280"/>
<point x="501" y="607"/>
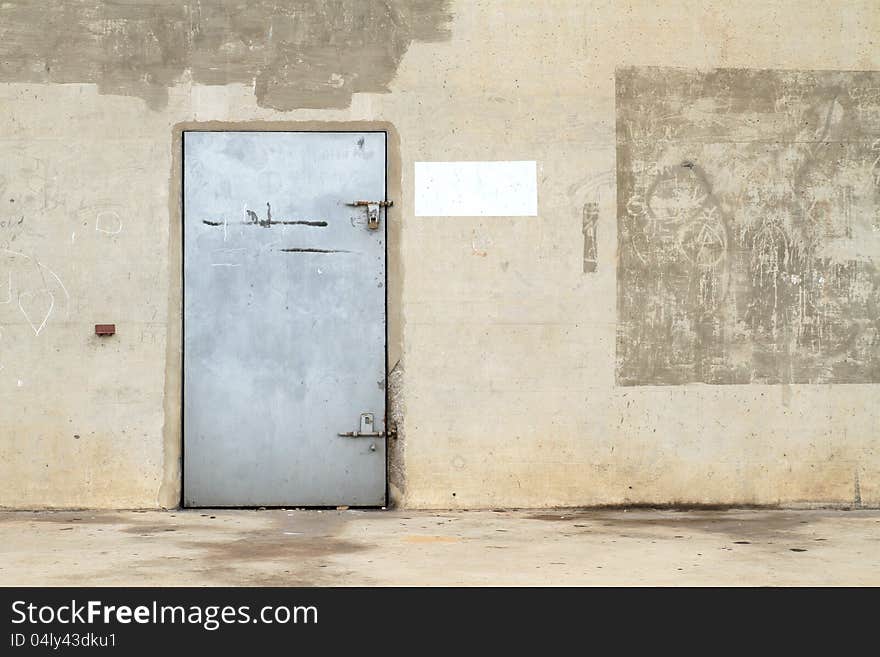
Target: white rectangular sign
<point x="476" y="189"/>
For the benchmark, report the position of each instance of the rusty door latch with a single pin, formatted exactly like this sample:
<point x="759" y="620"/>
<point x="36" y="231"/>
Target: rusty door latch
<point x="372" y="210"/>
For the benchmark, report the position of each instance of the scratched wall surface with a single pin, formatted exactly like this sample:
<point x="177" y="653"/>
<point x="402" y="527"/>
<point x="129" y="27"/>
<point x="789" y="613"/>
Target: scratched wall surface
<point x="749" y="226"/>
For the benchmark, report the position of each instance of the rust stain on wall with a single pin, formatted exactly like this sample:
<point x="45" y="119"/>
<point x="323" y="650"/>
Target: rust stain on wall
<point x="303" y="54"/>
<point x="749" y="226"/>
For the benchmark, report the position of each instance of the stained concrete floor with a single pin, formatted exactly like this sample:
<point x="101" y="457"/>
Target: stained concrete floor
<point x="349" y="547"/>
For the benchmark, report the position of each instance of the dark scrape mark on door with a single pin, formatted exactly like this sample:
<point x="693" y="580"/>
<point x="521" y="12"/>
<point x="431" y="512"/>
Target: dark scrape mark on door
<point x="315" y="251"/>
<point x="269" y="221"/>
<point x="265" y="224"/>
<point x="254" y="220"/>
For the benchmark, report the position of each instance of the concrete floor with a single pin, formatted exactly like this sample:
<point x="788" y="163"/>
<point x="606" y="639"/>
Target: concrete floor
<point x="304" y="548"/>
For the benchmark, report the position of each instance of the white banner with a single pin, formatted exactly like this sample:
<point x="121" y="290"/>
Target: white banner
<point x="476" y="189"/>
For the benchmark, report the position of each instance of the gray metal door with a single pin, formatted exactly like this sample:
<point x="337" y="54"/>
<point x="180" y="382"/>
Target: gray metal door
<point x="284" y="318"/>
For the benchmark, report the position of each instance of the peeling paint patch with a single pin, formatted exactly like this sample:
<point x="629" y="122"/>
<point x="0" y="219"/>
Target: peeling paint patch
<point x="304" y="54"/>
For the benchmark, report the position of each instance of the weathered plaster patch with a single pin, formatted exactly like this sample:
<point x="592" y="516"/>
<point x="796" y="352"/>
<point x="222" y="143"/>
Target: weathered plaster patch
<point x="749" y="226"/>
<point x="304" y="54"/>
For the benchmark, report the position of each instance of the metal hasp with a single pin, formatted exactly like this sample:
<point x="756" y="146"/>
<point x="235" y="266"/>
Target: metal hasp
<point x="372" y="211"/>
<point x="366" y="430"/>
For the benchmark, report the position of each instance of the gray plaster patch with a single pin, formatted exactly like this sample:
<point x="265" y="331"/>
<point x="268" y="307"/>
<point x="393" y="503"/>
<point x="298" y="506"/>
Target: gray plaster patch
<point x="303" y="54"/>
<point x="749" y="226"/>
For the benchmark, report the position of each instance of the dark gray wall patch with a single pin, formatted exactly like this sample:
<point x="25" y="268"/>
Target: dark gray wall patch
<point x="749" y="226"/>
<point x="304" y="54"/>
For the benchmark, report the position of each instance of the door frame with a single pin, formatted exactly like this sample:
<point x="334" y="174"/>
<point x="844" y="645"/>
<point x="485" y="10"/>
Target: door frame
<point x="170" y="493"/>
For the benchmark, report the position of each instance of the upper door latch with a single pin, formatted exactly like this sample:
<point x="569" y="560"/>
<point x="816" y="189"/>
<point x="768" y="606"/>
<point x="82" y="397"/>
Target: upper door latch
<point x="372" y="210"/>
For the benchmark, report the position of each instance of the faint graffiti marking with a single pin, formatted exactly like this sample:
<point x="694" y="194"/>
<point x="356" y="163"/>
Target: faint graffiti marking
<point x="108" y="222"/>
<point x="8" y="289"/>
<point x="35" y="297"/>
<point x="36" y="307"/>
<point x="747" y="248"/>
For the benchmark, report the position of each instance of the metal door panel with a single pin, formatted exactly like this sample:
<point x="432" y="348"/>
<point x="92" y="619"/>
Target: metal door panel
<point x="284" y="318"/>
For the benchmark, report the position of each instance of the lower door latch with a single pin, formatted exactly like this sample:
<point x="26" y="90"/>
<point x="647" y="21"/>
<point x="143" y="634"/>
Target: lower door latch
<point x="366" y="430"/>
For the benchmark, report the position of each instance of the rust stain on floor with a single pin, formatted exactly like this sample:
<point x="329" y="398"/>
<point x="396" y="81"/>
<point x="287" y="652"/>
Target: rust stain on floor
<point x="355" y="548"/>
<point x="431" y="539"/>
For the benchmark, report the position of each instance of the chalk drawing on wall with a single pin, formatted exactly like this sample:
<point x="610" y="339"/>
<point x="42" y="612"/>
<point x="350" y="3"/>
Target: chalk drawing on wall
<point x="38" y="292"/>
<point x="108" y="222"/>
<point x="105" y="216"/>
<point x="748" y="226"/>
<point x="37" y="307"/>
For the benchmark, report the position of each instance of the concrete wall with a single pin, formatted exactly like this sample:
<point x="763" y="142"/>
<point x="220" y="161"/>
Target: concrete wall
<point x="512" y="379"/>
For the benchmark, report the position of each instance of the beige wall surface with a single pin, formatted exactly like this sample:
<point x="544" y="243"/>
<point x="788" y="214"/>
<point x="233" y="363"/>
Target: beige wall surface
<point x="506" y="347"/>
